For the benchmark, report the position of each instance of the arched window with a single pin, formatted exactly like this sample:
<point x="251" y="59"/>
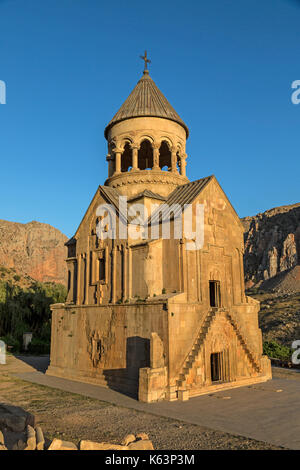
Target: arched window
<point x="165" y="156"/>
<point x="178" y="161"/>
<point x="145" y="155"/>
<point x="126" y="158"/>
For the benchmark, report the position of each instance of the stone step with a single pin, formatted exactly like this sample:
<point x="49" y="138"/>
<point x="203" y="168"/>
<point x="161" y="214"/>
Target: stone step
<point x="197" y="346"/>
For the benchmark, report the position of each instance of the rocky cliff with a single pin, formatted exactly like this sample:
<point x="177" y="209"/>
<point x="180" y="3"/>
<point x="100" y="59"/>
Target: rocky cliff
<point x="272" y="246"/>
<point x="272" y="249"/>
<point x="34" y="249"/>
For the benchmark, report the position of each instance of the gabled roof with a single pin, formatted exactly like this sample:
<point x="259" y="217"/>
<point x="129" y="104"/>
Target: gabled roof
<point x="70" y="242"/>
<point x="110" y="195"/>
<point x="148" y="193"/>
<point x="183" y="194"/>
<point x="146" y="100"/>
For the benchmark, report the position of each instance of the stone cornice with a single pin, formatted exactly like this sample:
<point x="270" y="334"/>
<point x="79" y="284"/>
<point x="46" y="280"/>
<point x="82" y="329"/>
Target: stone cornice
<point x="146" y="176"/>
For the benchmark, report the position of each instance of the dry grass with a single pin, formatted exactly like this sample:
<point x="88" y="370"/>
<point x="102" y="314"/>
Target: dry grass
<point x="73" y="417"/>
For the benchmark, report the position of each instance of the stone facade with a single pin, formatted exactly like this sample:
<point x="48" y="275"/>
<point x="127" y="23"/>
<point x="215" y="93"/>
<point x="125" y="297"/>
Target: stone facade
<point x="149" y="317"/>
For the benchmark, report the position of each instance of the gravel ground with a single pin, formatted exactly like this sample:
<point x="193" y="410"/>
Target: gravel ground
<point x="74" y="417"/>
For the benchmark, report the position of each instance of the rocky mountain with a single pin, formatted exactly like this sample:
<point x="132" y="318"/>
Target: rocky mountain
<point x="271" y="260"/>
<point x="272" y="249"/>
<point x="34" y="249"/>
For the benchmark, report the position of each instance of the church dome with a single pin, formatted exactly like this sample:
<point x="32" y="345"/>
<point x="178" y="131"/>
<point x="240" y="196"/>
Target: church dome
<point x="146" y="143"/>
<point x="146" y="100"/>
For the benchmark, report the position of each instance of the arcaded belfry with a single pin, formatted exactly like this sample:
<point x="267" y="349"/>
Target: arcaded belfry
<point x="157" y="317"/>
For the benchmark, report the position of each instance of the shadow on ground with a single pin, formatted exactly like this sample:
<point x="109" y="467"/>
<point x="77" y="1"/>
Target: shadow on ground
<point x="39" y="363"/>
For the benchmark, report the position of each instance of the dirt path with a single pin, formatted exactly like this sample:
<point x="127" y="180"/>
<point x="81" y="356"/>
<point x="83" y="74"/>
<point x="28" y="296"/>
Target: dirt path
<point x="74" y="417"/>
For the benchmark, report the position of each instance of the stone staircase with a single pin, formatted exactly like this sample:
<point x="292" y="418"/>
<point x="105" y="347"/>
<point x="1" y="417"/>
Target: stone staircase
<point x="199" y="344"/>
<point x="254" y="362"/>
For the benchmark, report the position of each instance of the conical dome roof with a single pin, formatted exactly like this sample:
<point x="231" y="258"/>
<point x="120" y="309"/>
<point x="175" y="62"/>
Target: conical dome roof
<point x="146" y="100"/>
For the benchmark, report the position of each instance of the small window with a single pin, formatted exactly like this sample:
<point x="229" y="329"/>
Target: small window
<point x="214" y="293"/>
<point x="98" y="267"/>
<point x="69" y="280"/>
<point x="102" y="269"/>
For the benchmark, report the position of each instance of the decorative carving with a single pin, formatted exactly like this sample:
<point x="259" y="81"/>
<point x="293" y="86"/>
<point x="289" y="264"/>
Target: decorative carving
<point x="95" y="348"/>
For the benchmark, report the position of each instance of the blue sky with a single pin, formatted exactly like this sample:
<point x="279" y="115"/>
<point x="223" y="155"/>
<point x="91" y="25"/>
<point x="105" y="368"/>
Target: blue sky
<point x="225" y="65"/>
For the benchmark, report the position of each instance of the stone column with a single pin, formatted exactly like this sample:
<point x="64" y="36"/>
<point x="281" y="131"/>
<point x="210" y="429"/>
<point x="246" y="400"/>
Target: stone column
<point x="135" y="150"/>
<point x="156" y="156"/>
<point x="71" y="263"/>
<point x="183" y="164"/>
<point x="173" y="161"/>
<point x="241" y="257"/>
<point x="184" y="266"/>
<point x="113" y="274"/>
<point x="129" y="273"/>
<point x="106" y="264"/>
<point x="124" y="274"/>
<point x="199" y="286"/>
<point x="87" y="273"/>
<point x="110" y="161"/>
<point x="78" y="280"/>
<point x="117" y="153"/>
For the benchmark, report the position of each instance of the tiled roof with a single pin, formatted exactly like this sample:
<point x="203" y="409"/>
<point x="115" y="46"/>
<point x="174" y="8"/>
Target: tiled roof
<point x="146" y="100"/>
<point x="183" y="194"/>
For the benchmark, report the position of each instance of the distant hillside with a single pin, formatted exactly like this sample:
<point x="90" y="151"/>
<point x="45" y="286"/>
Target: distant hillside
<point x="16" y="278"/>
<point x="271" y="260"/>
<point x="34" y="249"/>
<point x="272" y="249"/>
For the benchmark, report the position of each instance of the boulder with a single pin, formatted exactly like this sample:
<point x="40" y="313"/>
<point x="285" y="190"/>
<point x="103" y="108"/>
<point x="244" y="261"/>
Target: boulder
<point x="40" y="440"/>
<point x="141" y="445"/>
<point x="57" y="444"/>
<point x="12" y="422"/>
<point x="90" y="445"/>
<point x="15" y="418"/>
<point x="20" y="445"/>
<point x="31" y="438"/>
<point x="142" y="436"/>
<point x="128" y="439"/>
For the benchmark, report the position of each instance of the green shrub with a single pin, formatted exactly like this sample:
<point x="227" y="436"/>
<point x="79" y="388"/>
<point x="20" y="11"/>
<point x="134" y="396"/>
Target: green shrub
<point x="38" y="346"/>
<point x="15" y="345"/>
<point x="45" y="332"/>
<point x="28" y="309"/>
<point x="17" y="277"/>
<point x="276" y="350"/>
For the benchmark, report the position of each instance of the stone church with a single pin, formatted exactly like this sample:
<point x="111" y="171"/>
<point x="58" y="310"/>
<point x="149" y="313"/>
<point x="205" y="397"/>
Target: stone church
<point x="149" y="316"/>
